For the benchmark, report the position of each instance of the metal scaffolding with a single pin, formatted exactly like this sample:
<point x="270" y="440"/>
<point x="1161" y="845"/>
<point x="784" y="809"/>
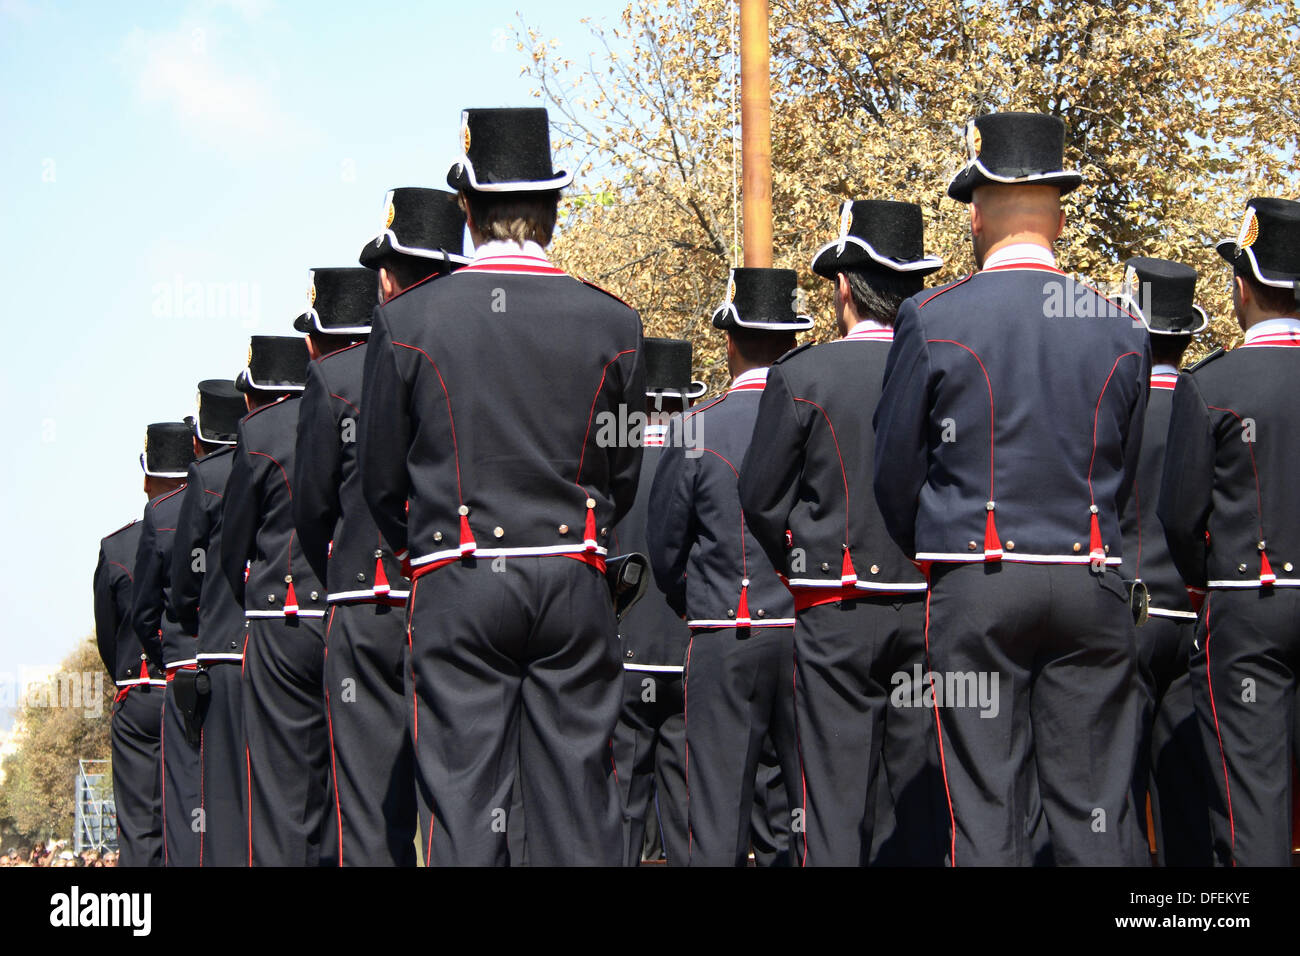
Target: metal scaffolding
<point x="96" y="825"/>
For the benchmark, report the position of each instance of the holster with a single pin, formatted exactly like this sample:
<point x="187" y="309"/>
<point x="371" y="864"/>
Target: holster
<point x="628" y="576"/>
<point x="192" y="688"/>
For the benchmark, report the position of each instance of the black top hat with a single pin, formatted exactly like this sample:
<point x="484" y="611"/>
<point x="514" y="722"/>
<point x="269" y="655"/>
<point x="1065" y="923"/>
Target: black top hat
<point x="221" y="406"/>
<point x="668" y="369"/>
<point x="168" y="450"/>
<point x="1021" y="148"/>
<point x="506" y="151"/>
<point x="765" y="299"/>
<point x="427" y="223"/>
<point x="276" y="363"/>
<point x="877" y="233"/>
<point x="339" y="301"/>
<point x="1160" y="293"/>
<point x="1268" y="244"/>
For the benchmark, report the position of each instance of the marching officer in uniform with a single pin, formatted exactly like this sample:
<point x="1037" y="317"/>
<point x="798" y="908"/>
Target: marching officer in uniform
<point x="859" y="602"/>
<point x="739" y="662"/>
<point x="136" y="729"/>
<point x="1171" y="765"/>
<point x="483" y="396"/>
<point x="1007" y="439"/>
<point x="208" y="611"/>
<point x="365" y="629"/>
<point x="1232" y="520"/>
<point x="285" y="730"/>
<point x="159" y="633"/>
<point x="650" y="742"/>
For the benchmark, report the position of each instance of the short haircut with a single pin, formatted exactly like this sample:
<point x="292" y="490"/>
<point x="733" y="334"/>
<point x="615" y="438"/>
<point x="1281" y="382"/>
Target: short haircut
<point x="326" y="342"/>
<point x="878" y="294"/>
<point x="1271" y="299"/>
<point x="1169" y="349"/>
<point x="516" y="216"/>
<point x="410" y="270"/>
<point x="761" y="346"/>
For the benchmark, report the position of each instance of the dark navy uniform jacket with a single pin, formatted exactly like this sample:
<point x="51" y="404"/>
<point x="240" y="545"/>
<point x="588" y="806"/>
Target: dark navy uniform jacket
<point x="484" y="395"/>
<point x="153" y="612"/>
<point x="257" y="520"/>
<point x="327" y="503"/>
<point x="119" y="648"/>
<point x="654" y="637"/>
<point x="704" y="556"/>
<point x="1146" y="555"/>
<point x="1229" y="502"/>
<point x="204" y="603"/>
<point x="806" y="481"/>
<point x="1010" y="419"/>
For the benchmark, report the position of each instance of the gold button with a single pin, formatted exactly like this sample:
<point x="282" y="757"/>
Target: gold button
<point x="1077" y="546"/>
<point x="361" y="576"/>
<point x="437" y="536"/>
<point x="744" y="582"/>
<point x="603" y="532"/>
<point x="988" y="506"/>
<point x="1241" y="568"/>
<point x="731" y="612"/>
<point x="825" y="566"/>
<point x="1106" y="548"/>
<point x="1011" y="546"/>
<point x="498" y="531"/>
<point x="315" y="595"/>
<point x="379" y="553"/>
<point x="270" y="599"/>
<point x="564" y="529"/>
<point x="971" y="546"/>
<point x="288" y="579"/>
<point x="463" y="510"/>
<point x="875" y="569"/>
<point x="591" y="502"/>
<point x="1260" y="546"/>
<point x="761" y="612"/>
<point x="1287" y="566"/>
<point x="1092" y="508"/>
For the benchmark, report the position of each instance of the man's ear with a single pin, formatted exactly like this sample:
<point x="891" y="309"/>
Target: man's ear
<point x="976" y="219"/>
<point x="1241" y="291"/>
<point x="387" y="284"/>
<point x="1060" y="225"/>
<point x="842" y="287"/>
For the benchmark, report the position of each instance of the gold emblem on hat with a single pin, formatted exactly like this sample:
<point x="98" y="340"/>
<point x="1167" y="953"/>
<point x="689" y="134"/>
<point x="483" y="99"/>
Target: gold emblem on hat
<point x="311" y="295"/>
<point x="731" y="286"/>
<point x="974" y="141"/>
<point x="464" y="135"/>
<point x="249" y="363"/>
<point x="388" y="222"/>
<point x="1249" y="230"/>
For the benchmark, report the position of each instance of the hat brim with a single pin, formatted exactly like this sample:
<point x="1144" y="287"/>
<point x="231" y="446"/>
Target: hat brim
<point x="1196" y="313"/>
<point x="1232" y="254"/>
<point x="973" y="175"/>
<point x="726" y="317"/>
<point x="310" y="322"/>
<point x="218" y="439"/>
<point x="461" y="177"/>
<point x="850" y="252"/>
<point x="244" y="383"/>
<point x="303" y="323"/>
<point x="160" y="474"/>
<point x="386" y="244"/>
<point x="694" y="390"/>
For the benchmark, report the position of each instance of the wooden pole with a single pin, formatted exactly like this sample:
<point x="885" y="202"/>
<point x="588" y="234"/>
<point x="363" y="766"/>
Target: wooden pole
<point x="756" y="132"/>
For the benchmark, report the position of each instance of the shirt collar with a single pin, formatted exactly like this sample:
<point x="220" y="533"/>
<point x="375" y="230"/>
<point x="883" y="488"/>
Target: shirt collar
<point x="1021" y="253"/>
<point x="1273" y="327"/>
<point x="869" y="329"/>
<point x="1163" y="369"/>
<point x="755" y="378"/>
<point x="497" y="248"/>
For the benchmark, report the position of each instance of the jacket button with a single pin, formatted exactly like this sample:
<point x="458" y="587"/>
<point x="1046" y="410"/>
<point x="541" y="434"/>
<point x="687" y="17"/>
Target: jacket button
<point x="1106" y="548"/>
<point x="629" y="655"/>
<point x="1287" y="566"/>
<point x="825" y="566"/>
<point x="1260" y="545"/>
<point x="971" y="545"/>
<point x="603" y="532"/>
<point x="762" y="613"/>
<point x="270" y="599"/>
<point x="731" y="612"/>
<point x="437" y="536"/>
<point x="591" y="502"/>
<point x="361" y="575"/>
<point x="1011" y="546"/>
<point x="1077" y="546"/>
<point x="744" y="582"/>
<point x="498" y="531"/>
<point x="1092" y="508"/>
<point x="462" y="510"/>
<point x="233" y="645"/>
<point x="142" y="657"/>
<point x="379" y="552"/>
<point x="564" y="529"/>
<point x="315" y="595"/>
<point x="875" y="569"/>
<point x="1241" y="568"/>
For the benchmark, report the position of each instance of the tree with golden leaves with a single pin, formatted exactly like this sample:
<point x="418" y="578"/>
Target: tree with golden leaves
<point x="1175" y="113"/>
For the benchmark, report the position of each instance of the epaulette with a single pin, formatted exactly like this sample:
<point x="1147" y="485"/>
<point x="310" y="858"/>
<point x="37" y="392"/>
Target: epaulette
<point x="1217" y="353"/>
<point x="592" y="285"/>
<point x="121" y="529"/>
<point x="794" y="351"/>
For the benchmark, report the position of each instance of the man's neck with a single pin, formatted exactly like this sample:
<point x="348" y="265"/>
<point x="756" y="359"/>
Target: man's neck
<point x="1025" y="239"/>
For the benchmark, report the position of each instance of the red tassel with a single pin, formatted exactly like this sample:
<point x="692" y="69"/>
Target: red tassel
<point x="742" y="609"/>
<point x="290" y="602"/>
<point x="381" y="579"/>
<point x="1096" y="550"/>
<point x="992" y="543"/>
<point x="1266" y="575"/>
<point x="847" y="575"/>
<point x="467" y="544"/>
<point x="144" y="670"/>
<point x="589" y="531"/>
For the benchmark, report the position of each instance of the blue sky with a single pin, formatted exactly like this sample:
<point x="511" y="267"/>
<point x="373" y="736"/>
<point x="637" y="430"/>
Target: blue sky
<point x="219" y="148"/>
